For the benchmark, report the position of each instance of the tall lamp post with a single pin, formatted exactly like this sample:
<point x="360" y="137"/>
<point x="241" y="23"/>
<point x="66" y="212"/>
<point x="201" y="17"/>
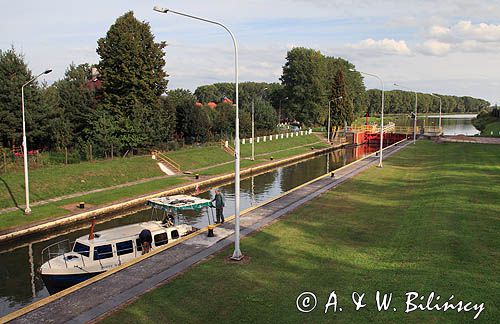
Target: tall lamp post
<point x="380" y="165"/>
<point x="329" y="114"/>
<point x="416" y="110"/>
<point x="435" y="95"/>
<point x="27" y="210"/>
<point x="237" y="255"/>
<point x="253" y="126"/>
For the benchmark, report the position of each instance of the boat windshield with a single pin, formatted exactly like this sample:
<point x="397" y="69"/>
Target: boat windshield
<point x="82" y="249"/>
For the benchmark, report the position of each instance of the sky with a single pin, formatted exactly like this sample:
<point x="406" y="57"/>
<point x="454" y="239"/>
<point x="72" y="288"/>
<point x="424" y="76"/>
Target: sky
<point x="446" y="46"/>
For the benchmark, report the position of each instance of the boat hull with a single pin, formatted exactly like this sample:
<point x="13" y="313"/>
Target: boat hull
<point x="57" y="282"/>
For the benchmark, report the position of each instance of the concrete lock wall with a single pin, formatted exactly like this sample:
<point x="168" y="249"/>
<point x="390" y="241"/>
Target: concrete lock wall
<point x="137" y="204"/>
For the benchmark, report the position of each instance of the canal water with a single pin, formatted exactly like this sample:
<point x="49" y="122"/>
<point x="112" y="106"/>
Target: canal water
<point x="20" y="285"/>
<point x="459" y="124"/>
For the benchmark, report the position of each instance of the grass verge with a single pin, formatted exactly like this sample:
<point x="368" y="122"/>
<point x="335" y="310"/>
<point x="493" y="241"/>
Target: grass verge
<point x="59" y="180"/>
<point x="427" y="222"/>
<point x="10" y="220"/>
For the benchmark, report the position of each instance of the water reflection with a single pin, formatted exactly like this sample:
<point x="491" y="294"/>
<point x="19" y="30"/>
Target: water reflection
<point x="20" y="285"/>
<point x="459" y="124"/>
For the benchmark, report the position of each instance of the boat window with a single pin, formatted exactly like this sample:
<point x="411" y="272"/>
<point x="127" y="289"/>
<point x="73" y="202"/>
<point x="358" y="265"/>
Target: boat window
<point x="125" y="247"/>
<point x="82" y="249"/>
<point x="138" y="244"/>
<point x="161" y="239"/>
<point x="103" y="252"/>
<point x="174" y="234"/>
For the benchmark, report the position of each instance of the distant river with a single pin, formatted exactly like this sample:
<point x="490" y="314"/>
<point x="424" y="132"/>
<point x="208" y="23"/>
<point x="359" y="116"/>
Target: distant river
<point x="459" y="124"/>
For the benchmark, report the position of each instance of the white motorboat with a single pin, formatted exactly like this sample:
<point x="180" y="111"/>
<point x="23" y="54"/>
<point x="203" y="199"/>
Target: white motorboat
<point x="98" y="252"/>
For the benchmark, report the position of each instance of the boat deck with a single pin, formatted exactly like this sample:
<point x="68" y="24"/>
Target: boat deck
<point x="103" y="296"/>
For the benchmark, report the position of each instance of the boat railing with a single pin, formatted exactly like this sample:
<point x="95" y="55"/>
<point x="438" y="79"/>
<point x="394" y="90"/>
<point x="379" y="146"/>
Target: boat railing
<point x="55" y="250"/>
<point x="58" y="249"/>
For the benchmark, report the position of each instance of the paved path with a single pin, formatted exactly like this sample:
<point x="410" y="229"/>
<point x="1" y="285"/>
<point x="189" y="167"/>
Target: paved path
<point x="105" y="295"/>
<point x="469" y="139"/>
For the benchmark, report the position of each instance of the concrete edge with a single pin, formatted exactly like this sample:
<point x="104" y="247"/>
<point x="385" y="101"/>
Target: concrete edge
<point x="75" y="218"/>
<point x="52" y="298"/>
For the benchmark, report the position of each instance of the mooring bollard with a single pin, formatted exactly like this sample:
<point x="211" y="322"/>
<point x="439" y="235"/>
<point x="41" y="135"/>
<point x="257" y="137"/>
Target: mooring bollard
<point x="211" y="231"/>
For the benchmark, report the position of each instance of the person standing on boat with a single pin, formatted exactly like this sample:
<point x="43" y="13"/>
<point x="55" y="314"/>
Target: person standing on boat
<point x="219" y="206"/>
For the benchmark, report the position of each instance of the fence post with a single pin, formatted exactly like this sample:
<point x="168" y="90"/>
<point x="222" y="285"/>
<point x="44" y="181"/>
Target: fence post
<point x="66" y="155"/>
<point x="4" y="161"/>
<point x="112" y="153"/>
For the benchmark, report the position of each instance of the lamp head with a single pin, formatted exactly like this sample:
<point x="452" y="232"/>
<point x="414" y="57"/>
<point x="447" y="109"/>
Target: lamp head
<point x="160" y="9"/>
<point x="339" y="98"/>
<point x="47" y="71"/>
<point x="397" y="85"/>
<point x="352" y="70"/>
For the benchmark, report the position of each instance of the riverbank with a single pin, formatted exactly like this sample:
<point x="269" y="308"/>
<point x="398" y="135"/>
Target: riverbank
<point x="47" y="186"/>
<point x="93" y="297"/>
<point x="488" y="124"/>
<point x="427" y="222"/>
<point x="137" y="203"/>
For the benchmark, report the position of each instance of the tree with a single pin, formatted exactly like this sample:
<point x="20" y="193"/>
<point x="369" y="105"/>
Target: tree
<point x="304" y="84"/>
<point x="78" y="100"/>
<point x="265" y="115"/>
<point x="353" y="81"/>
<point x="13" y="74"/>
<point x="193" y="124"/>
<point x="341" y="111"/>
<point x="55" y="130"/>
<point x="133" y="76"/>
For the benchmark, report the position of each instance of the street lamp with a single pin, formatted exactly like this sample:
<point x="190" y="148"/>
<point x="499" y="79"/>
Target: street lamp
<point x="27" y="210"/>
<point x="253" y="126"/>
<point x="435" y="95"/>
<point x="380" y="165"/>
<point x="416" y="104"/>
<point x="279" y="113"/>
<point x="237" y="255"/>
<point x="329" y="109"/>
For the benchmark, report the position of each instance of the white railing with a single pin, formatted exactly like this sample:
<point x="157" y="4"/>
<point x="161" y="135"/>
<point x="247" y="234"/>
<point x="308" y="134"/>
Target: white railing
<point x="274" y="137"/>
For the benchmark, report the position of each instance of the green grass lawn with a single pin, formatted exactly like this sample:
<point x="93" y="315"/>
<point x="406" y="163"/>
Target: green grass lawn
<point x="55" y="181"/>
<point x="429" y="221"/>
<point x="201" y="157"/>
<point x="59" y="180"/>
<point x="492" y="129"/>
<point x="54" y="209"/>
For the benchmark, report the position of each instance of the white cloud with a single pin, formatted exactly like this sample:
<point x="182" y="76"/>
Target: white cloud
<point x="479" y="32"/>
<point x="434" y="47"/>
<point x="439" y="31"/>
<point x="464" y="36"/>
<point x="381" y="47"/>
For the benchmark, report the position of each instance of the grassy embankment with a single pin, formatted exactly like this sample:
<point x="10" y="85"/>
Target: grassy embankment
<point x="487" y="124"/>
<point x="54" y="181"/>
<point x="428" y="221"/>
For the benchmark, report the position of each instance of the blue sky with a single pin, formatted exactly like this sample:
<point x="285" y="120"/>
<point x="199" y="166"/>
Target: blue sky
<point x="446" y="46"/>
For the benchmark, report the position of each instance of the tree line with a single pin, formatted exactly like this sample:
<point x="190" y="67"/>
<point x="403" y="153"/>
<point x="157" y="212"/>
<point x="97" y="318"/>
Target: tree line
<point x="122" y="104"/>
<point x="398" y="102"/>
